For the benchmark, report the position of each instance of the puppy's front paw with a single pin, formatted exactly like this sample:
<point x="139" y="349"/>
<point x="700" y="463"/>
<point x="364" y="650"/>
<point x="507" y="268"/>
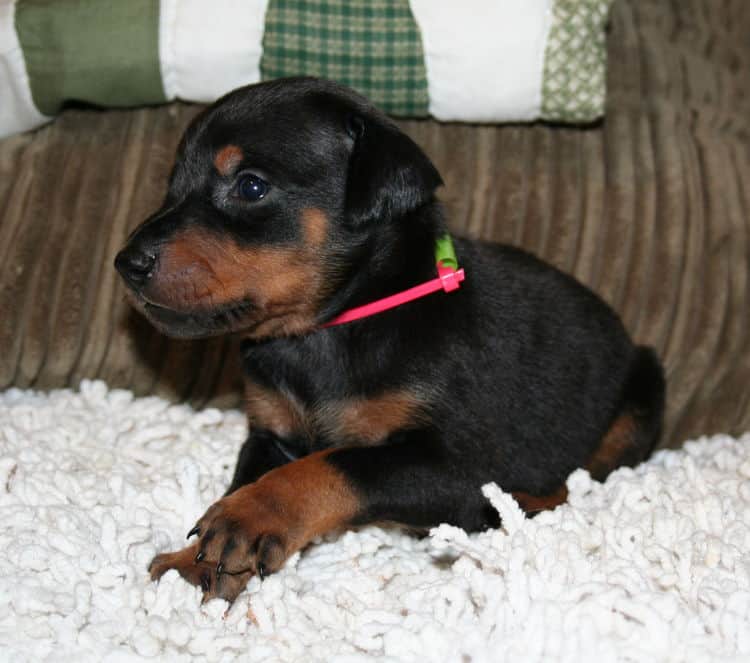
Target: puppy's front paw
<point x="247" y="532"/>
<point x="256" y="528"/>
<point x="200" y="574"/>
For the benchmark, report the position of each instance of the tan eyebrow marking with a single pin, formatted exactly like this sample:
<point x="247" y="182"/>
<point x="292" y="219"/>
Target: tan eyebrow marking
<point x="227" y="159"/>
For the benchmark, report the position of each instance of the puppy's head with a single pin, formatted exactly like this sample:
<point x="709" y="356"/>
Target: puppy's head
<point x="280" y="192"/>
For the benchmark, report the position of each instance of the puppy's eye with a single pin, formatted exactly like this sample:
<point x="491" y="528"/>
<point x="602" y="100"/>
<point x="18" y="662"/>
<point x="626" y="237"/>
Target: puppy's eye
<point x="251" y="188"/>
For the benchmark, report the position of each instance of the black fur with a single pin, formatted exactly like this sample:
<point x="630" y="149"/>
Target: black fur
<point x="522" y="370"/>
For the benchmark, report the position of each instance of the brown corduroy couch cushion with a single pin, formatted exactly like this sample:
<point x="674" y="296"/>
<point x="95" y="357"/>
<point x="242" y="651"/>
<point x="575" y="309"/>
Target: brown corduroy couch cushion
<point x="650" y="209"/>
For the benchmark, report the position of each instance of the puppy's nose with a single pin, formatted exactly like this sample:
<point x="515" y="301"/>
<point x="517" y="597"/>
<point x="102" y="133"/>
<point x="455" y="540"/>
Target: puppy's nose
<point x="135" y="266"/>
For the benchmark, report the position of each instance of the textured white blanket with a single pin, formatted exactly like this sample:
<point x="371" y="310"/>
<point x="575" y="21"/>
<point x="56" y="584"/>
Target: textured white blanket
<point x="654" y="565"/>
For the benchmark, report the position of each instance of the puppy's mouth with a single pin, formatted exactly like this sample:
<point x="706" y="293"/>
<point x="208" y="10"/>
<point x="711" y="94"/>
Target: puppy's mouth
<point x="197" y="323"/>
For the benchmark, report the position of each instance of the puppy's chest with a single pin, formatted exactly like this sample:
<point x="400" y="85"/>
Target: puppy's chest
<point x="322" y="421"/>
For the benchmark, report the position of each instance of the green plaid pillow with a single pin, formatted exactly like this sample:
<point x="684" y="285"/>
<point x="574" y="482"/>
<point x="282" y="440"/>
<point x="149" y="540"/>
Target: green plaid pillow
<point x="373" y="47"/>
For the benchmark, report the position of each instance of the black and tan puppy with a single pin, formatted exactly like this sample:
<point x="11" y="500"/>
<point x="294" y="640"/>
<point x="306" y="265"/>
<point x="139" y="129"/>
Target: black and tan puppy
<point x="294" y="200"/>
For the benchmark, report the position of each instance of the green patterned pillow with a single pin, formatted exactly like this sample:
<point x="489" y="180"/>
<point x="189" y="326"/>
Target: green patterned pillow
<point x="475" y="61"/>
<point x="573" y="87"/>
<point x="374" y="47"/>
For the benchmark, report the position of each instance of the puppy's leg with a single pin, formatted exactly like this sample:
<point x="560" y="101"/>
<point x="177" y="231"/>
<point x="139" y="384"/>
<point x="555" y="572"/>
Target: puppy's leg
<point x="261" y="452"/>
<point x="258" y="526"/>
<point x="635" y="430"/>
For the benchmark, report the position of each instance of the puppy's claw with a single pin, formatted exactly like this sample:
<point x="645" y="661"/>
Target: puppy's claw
<point x="219" y="569"/>
<point x="195" y="530"/>
<point x="262" y="571"/>
<point x="199" y="557"/>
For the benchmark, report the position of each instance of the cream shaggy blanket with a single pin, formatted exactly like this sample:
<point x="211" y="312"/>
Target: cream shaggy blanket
<point x="653" y="565"/>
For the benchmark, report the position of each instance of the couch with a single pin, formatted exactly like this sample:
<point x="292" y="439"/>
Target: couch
<point x="649" y="207"/>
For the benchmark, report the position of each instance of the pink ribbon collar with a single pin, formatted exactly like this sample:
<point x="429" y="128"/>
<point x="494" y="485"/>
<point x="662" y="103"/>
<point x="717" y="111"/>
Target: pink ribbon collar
<point x="449" y="278"/>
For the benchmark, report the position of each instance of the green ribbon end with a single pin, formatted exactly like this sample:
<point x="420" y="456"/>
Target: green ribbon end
<point x="444" y="251"/>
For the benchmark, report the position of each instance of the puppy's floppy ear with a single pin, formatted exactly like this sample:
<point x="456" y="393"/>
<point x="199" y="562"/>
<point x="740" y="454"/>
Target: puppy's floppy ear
<point x="388" y="175"/>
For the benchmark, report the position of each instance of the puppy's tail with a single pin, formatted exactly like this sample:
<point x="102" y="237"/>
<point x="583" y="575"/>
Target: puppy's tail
<point x="636" y="428"/>
<point x="645" y="396"/>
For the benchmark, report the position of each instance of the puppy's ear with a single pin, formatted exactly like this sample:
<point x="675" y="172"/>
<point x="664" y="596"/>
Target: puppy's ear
<point x="388" y="175"/>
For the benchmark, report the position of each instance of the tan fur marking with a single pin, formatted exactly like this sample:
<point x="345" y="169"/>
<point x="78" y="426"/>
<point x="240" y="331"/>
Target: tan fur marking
<point x="534" y="503"/>
<point x="303" y="499"/>
<point x="614" y="446"/>
<point x="372" y="420"/>
<point x="273" y="411"/>
<point x="201" y="271"/>
<point x="227" y="159"/>
<point x="608" y="456"/>
<point x="315" y="223"/>
<point x="287" y="506"/>
<point x="364" y="421"/>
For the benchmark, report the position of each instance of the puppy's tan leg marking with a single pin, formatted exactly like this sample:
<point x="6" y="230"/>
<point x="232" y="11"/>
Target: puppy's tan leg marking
<point x="615" y="446"/>
<point x="258" y="526"/>
<point x="535" y="503"/>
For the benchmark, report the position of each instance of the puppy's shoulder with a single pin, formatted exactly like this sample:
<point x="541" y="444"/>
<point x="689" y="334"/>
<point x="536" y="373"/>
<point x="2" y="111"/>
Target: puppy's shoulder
<point x="499" y="259"/>
<point x="509" y="284"/>
<point x="513" y="270"/>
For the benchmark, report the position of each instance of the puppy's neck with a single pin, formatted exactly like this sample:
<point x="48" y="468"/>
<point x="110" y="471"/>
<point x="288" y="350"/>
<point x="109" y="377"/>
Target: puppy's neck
<point x="399" y="255"/>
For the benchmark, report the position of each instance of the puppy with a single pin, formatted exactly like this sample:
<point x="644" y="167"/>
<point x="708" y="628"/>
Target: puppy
<point x="295" y="201"/>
